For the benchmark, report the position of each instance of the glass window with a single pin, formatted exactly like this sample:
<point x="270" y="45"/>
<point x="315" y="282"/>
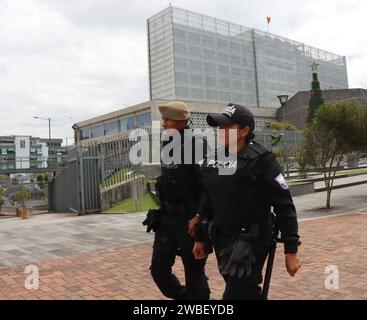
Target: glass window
<point x="235" y="59"/>
<point x="180" y="62"/>
<point x="210" y="67"/>
<point x="222" y="44"/>
<point x="110" y="128"/>
<point x="223" y="83"/>
<point x="195" y="65"/>
<point x="144" y="120"/>
<point x="211" y="81"/>
<point x="237" y="98"/>
<point x="209" y="54"/>
<point x="208" y="41"/>
<point x="181" y="77"/>
<point x="211" y="95"/>
<point x="197" y="93"/>
<point x="236" y="72"/>
<point x="178" y="33"/>
<point x="193" y="37"/>
<point x="84" y="134"/>
<point x="180" y="48"/>
<point x="237" y="84"/>
<point x="224" y="96"/>
<point x="127" y="123"/>
<point x="195" y="51"/>
<point x="97" y="131"/>
<point x="182" y="92"/>
<point x="235" y="46"/>
<point x="196" y="79"/>
<point x="223" y="70"/>
<point x="222" y="56"/>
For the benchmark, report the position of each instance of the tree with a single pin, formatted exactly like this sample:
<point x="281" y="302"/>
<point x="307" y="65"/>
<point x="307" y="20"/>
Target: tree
<point x="282" y="126"/>
<point x="338" y="130"/>
<point x="317" y="98"/>
<point x="22" y="197"/>
<point x="304" y="161"/>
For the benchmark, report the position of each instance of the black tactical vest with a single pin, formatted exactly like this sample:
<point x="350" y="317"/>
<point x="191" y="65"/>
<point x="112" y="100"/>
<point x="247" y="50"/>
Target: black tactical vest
<point x="179" y="183"/>
<point x="236" y="199"/>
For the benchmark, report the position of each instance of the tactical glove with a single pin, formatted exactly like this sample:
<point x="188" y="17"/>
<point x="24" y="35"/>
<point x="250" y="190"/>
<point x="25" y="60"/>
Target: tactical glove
<point x="237" y="258"/>
<point x="152" y="220"/>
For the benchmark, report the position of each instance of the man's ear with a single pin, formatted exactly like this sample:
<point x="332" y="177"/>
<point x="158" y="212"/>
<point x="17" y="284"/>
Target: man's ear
<point x="245" y="132"/>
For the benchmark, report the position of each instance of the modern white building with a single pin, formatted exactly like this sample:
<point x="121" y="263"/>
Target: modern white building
<point x="195" y="57"/>
<point x="22" y="152"/>
<point x="141" y="115"/>
<point x="26" y="152"/>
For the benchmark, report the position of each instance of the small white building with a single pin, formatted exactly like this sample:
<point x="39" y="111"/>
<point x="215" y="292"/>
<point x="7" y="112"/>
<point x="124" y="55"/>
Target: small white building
<point x="22" y="152"/>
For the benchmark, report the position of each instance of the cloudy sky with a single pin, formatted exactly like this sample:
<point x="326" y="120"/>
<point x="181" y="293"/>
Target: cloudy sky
<point x="73" y="60"/>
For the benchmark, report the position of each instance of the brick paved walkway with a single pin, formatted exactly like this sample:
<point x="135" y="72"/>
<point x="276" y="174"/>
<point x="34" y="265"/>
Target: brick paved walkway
<point x="122" y="272"/>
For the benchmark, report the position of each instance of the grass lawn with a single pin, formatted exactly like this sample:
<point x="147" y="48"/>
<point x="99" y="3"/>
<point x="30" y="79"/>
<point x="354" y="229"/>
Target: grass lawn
<point x="128" y="205"/>
<point x="41" y="207"/>
<point x="119" y="176"/>
<point x="353" y="172"/>
<point x="342" y="172"/>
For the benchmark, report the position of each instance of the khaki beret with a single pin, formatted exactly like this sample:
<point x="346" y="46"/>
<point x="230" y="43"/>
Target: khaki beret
<point x="175" y="110"/>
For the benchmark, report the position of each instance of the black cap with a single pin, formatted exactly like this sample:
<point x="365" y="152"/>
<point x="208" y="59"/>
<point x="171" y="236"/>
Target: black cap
<point x="232" y="114"/>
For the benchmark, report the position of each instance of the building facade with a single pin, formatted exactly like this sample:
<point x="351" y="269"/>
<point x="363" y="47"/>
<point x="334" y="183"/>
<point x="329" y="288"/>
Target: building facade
<point x="296" y="109"/>
<point x="141" y="116"/>
<point x="26" y="152"/>
<point x="199" y="58"/>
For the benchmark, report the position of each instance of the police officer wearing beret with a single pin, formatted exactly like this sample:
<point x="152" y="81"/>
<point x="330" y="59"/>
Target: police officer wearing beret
<point x="179" y="189"/>
<point x="239" y="207"/>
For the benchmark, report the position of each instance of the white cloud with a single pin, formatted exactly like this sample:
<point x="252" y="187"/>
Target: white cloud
<point x="84" y="58"/>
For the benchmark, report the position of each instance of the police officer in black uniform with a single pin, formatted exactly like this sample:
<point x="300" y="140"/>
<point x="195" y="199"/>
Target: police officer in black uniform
<point x="179" y="189"/>
<point x="239" y="207"/>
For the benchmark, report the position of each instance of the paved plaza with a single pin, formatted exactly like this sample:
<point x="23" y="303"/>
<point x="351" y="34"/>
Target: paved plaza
<point x="108" y="256"/>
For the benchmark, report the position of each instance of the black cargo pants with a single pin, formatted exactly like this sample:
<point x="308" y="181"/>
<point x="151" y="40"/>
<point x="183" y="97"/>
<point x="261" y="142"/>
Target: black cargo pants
<point x="171" y="238"/>
<point x="247" y="287"/>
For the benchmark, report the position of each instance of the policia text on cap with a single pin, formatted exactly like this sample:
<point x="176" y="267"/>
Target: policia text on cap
<point x="237" y="211"/>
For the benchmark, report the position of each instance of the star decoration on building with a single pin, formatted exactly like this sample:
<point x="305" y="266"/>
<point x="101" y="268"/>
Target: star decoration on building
<point x="314" y="67"/>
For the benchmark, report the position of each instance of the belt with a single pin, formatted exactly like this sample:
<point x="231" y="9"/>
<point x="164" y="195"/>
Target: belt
<point x="251" y="229"/>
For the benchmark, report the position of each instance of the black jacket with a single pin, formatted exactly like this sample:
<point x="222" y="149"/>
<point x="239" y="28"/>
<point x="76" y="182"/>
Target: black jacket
<point x="248" y="195"/>
<point x="180" y="181"/>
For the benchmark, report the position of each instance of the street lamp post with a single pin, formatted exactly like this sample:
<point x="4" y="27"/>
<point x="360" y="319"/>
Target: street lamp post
<point x="283" y="101"/>
<point x="49" y="125"/>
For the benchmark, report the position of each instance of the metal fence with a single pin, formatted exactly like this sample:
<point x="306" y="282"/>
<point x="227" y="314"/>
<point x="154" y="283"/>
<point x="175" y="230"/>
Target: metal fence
<point x="99" y="167"/>
<point x="76" y="187"/>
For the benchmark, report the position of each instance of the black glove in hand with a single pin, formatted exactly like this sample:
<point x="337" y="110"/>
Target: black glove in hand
<point x="240" y="260"/>
<point x="152" y="220"/>
<point x="224" y="256"/>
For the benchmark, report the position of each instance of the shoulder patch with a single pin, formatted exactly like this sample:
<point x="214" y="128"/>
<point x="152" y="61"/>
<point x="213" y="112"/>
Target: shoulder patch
<point x="281" y="181"/>
<point x="253" y="151"/>
<point x="258" y="148"/>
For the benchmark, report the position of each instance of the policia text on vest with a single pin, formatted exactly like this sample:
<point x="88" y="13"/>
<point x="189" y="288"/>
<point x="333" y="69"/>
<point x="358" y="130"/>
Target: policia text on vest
<point x="243" y="211"/>
<point x="231" y="196"/>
